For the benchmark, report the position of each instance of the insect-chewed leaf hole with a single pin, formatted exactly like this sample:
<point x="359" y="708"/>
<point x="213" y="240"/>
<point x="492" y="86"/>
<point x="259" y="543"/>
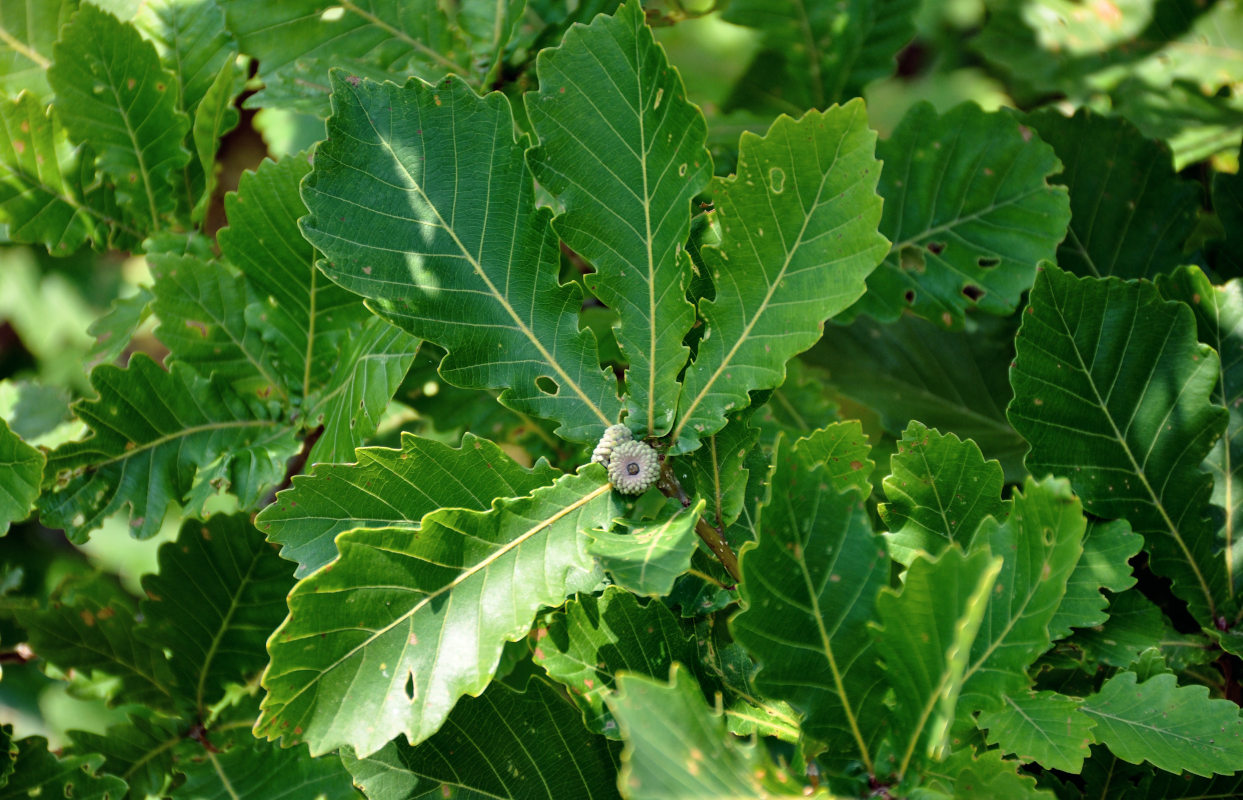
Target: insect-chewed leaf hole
<point x="547" y="385"/>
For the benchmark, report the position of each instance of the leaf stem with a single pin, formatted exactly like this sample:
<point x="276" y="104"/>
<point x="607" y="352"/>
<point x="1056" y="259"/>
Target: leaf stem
<point x="670" y="487"/>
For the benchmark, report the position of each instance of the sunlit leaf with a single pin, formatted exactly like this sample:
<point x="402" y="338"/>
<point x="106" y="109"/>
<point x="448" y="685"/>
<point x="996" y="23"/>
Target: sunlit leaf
<point x="1044" y="727"/>
<point x="650" y="554"/>
<point x="21" y="476"/>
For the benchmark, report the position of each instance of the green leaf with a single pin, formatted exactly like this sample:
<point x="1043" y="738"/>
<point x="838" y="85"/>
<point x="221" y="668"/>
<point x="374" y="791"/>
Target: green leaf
<point x="808" y="593"/>
<point x="88" y="625"/>
<point x="219" y="592"/>
<point x="1227" y="201"/>
<point x="309" y="317"/>
<point x="371" y="367"/>
<point x="799" y="405"/>
<point x="954" y="381"/>
<point x="214" y="117"/>
<point x="843" y="449"/>
<point x="718" y="471"/>
<point x="964" y="775"/>
<point x="112" y="92"/>
<point x="650" y="556"/>
<point x="406" y="622"/>
<point x="1174" y="728"/>
<point x="521" y="745"/>
<point x="21" y="475"/>
<point x="159" y="438"/>
<point x="970" y="213"/>
<point x="1127" y="418"/>
<point x="259" y="769"/>
<point x="623" y="149"/>
<point x="1219" y="324"/>
<point x="1040" y="544"/>
<point x="201" y="306"/>
<point x="925" y="637"/>
<point x="39" y="773"/>
<point x="192" y="42"/>
<point x="585" y="645"/>
<point x="394" y="488"/>
<point x="677" y="748"/>
<point x="39" y="202"/>
<point x="1134" y="625"/>
<point x="1044" y="727"/>
<point x="142" y="750"/>
<point x="27" y="31"/>
<point x="114" y="330"/>
<point x="798" y="239"/>
<point x="940" y="488"/>
<point x="1107" y="549"/>
<point x="296" y="41"/>
<point x="814" y="54"/>
<point x="1130" y="212"/>
<point x="479" y="279"/>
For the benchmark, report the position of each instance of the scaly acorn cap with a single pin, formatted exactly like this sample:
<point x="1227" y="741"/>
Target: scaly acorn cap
<point x="633" y="467"/>
<point x="613" y="436"/>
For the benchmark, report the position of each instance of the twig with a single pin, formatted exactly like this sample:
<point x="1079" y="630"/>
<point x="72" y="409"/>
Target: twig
<point x="670" y="486"/>
<point x="295" y="465"/>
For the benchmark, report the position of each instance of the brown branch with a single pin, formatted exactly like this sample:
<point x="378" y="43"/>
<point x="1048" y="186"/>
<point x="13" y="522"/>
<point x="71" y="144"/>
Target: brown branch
<point x="670" y="487"/>
<point x="294" y="466"/>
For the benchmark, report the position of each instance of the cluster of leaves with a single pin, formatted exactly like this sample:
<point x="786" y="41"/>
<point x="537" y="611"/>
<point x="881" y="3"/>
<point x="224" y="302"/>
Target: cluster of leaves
<point x="1016" y="574"/>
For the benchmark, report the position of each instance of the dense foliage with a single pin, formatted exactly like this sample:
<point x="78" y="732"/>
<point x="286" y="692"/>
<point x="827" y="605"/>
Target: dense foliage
<point x="938" y="399"/>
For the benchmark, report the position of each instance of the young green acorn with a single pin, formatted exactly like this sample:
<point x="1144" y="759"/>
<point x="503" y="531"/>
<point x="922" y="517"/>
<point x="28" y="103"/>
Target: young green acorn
<point x="633" y="467"/>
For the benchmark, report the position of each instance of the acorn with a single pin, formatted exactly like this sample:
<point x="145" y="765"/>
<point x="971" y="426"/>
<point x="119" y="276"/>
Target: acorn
<point x="633" y="467"/>
<point x="613" y="436"/>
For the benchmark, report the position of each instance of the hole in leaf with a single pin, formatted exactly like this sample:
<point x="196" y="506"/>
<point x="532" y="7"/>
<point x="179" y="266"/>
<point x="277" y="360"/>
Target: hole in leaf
<point x="547" y="385"/>
<point x="987" y="262"/>
<point x="936" y="248"/>
<point x="972" y="292"/>
<point x="909" y="294"/>
<point x="409" y="687"/>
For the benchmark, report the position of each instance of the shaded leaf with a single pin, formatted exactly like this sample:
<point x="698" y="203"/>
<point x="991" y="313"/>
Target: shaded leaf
<point x="1127" y="418"/>
<point x="260" y="769"/>
<point x="405" y="622"/>
<point x="21" y="475"/>
<point x="140" y="750"/>
<point x="623" y="149"/>
<point x="924" y="638"/>
<point x="966" y="775"/>
<point x="88" y="625"/>
<point x="808" y="592"/>
<point x="650" y="555"/>
<point x="478" y="279"/>
<point x="521" y="745"/>
<point x="192" y="42"/>
<point x="1107" y="549"/>
<point x="1130" y="212"/>
<point x="159" y="438"/>
<point x="1134" y="625"/>
<point x="38" y="772"/>
<point x="1044" y="727"/>
<point x="27" y="31"/>
<point x="296" y="41"/>
<point x="799" y="405"/>
<point x="798" y="239"/>
<point x="117" y="326"/>
<point x="940" y="489"/>
<point x="954" y="381"/>
<point x="586" y="644"/>
<point x="677" y="748"/>
<point x="718" y="472"/>
<point x="1219" y="324"/>
<point x="1040" y="543"/>
<point x="219" y="592"/>
<point x="1173" y="727"/>
<point x="112" y="92"/>
<point x="39" y="201"/>
<point x="214" y="117"/>
<point x="970" y="213"/>
<point x="388" y="487"/>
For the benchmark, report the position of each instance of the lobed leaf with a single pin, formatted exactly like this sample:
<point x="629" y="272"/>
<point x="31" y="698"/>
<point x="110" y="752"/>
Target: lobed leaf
<point x="969" y="211"/>
<point x="451" y="250"/>
<point x="585" y="645"/>
<point x="808" y="594"/>
<point x="220" y="590"/>
<point x="112" y="92"/>
<point x="260" y="769"/>
<point x="158" y="438"/>
<point x="1044" y="727"/>
<point x="27" y="32"/>
<point x="798" y="239"/>
<point x="940" y="489"/>
<point x="624" y="151"/>
<point x="1130" y="212"/>
<point x="718" y="471"/>
<point x="405" y="622"/>
<point x="843" y="449"/>
<point x="650" y="556"/>
<point x="141" y="749"/>
<point x="1107" y="550"/>
<point x="1126" y="417"/>
<point x="924" y="639"/>
<point x="1175" y="728"/>
<point x="38" y="772"/>
<point x="192" y="42"/>
<point x="522" y="745"/>
<point x="21" y="475"/>
<point x="394" y="488"/>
